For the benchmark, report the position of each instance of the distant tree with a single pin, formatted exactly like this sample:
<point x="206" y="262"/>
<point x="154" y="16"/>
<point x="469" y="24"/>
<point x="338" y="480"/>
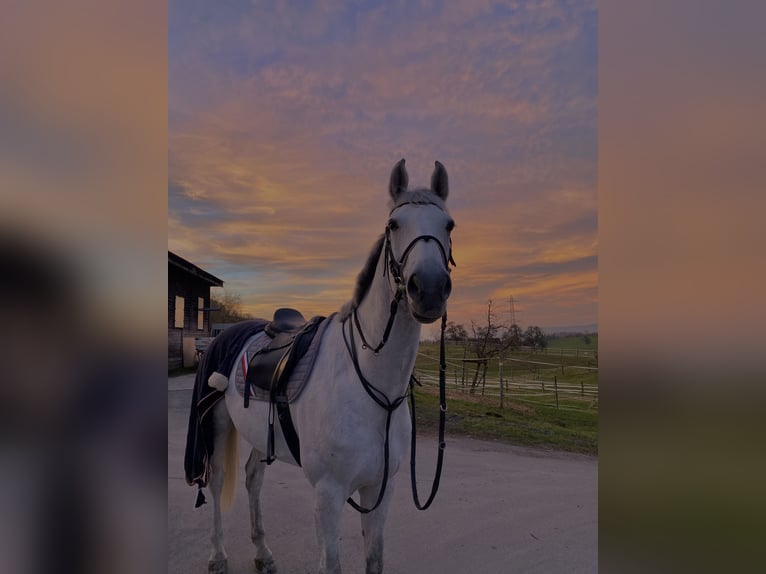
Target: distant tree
<point x="227" y="308"/>
<point x="455" y="332"/>
<point x="586" y="339"/>
<point x="513" y="336"/>
<point x="534" y="337"/>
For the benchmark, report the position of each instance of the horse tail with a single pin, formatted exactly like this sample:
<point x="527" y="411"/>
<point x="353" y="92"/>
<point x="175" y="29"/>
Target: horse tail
<point x="230" y="469"/>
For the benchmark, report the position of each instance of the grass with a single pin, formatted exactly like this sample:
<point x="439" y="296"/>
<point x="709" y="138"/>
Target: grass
<point x="517" y="423"/>
<point x="525" y="419"/>
<point x="521" y="365"/>
<point x="573" y="342"/>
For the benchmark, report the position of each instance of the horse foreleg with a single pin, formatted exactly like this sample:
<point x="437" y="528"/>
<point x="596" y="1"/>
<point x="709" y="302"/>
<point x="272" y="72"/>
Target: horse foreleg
<point x="372" y="525"/>
<point x="255" y="469"/>
<point x="329" y="505"/>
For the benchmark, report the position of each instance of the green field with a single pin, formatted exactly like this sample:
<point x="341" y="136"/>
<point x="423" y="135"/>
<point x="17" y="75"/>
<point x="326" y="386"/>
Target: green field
<point x="573" y="342"/>
<point x="530" y="413"/>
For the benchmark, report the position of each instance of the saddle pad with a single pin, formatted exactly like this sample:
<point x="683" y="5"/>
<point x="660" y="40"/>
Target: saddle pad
<point x="220" y="356"/>
<point x="299" y="375"/>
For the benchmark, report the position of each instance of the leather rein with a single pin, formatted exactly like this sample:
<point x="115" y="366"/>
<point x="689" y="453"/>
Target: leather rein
<point x="379" y="396"/>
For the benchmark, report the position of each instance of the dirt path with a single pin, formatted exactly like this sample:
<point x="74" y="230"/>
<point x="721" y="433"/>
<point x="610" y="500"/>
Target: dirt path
<point x="500" y="509"/>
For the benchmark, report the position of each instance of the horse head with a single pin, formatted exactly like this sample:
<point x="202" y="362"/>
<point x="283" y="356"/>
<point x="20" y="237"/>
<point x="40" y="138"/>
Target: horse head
<point x="418" y="244"/>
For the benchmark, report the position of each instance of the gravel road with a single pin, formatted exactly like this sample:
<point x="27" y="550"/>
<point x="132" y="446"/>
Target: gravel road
<point x="500" y="509"/>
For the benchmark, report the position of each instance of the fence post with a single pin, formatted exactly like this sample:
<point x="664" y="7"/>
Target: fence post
<point x="556" y="390"/>
<point x="582" y="389"/>
<point x="465" y="350"/>
<point x="501" y="380"/>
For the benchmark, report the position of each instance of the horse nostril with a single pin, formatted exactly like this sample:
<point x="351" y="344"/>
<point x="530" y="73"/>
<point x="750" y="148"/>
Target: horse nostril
<point x="414" y="287"/>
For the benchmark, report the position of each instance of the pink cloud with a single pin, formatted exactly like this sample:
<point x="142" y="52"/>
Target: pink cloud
<point x="290" y="155"/>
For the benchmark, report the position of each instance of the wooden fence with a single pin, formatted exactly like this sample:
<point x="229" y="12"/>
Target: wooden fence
<point x="541" y="387"/>
<point x="552" y="351"/>
<point x="562" y="352"/>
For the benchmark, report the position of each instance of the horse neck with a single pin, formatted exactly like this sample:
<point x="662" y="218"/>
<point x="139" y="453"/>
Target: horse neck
<point x="390" y="369"/>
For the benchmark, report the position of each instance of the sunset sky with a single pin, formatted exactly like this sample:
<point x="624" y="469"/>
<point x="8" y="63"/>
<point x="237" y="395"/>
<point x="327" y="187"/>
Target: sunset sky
<point x="285" y="119"/>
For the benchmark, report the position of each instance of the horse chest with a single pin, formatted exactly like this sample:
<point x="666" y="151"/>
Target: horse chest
<point x="352" y="447"/>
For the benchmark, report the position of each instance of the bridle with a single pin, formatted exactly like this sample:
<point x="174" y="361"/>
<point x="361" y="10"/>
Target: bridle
<point x="395" y="267"/>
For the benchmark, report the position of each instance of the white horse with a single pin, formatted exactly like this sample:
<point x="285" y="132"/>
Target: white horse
<point x="340" y="422"/>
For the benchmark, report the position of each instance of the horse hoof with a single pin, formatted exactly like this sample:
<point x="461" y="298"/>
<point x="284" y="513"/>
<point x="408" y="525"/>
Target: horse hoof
<point x="265" y="566"/>
<point x="217" y="566"/>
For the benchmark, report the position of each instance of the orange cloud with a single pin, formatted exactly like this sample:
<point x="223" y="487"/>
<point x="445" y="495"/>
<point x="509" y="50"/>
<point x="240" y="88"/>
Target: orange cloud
<point x="280" y="151"/>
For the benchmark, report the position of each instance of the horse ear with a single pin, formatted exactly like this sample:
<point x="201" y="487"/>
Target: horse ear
<point x="399" y="180"/>
<point x="439" y="182"/>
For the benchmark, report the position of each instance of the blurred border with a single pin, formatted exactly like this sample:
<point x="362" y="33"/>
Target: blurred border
<point x="682" y="198"/>
<point x="83" y="219"/>
<point x="83" y="175"/>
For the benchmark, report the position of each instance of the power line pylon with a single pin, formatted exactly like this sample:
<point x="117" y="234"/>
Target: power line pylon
<point x="513" y="310"/>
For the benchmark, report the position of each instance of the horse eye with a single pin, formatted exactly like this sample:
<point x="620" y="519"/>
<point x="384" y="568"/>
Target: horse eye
<point x="393" y="225"/>
<point x="450" y="225"/>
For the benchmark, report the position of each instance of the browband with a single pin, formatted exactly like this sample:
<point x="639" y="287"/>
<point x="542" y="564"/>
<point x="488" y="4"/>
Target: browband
<point x="414" y="203"/>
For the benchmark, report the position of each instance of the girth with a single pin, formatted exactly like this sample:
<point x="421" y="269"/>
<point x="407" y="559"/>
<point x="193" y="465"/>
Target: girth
<point x="271" y="367"/>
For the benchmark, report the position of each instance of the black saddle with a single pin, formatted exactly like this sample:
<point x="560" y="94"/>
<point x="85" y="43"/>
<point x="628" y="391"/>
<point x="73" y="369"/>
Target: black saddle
<point x="285" y="321"/>
<point x="271" y="367"/>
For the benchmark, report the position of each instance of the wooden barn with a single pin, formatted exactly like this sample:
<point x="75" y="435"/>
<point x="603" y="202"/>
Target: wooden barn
<point x="188" y="301"/>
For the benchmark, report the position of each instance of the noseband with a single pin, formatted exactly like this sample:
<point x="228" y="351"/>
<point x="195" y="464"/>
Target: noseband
<point x="396" y="266"/>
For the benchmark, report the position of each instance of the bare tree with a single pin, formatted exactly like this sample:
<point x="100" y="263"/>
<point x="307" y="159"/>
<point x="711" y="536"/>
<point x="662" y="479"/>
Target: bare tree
<point x="513" y="336"/>
<point x="489" y="340"/>
<point x="227" y="308"/>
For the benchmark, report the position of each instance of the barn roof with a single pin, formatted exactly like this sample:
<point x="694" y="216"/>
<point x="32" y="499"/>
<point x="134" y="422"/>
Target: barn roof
<point x="192" y="269"/>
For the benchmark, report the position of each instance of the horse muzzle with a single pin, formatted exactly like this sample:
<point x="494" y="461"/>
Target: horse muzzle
<point x="427" y="294"/>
